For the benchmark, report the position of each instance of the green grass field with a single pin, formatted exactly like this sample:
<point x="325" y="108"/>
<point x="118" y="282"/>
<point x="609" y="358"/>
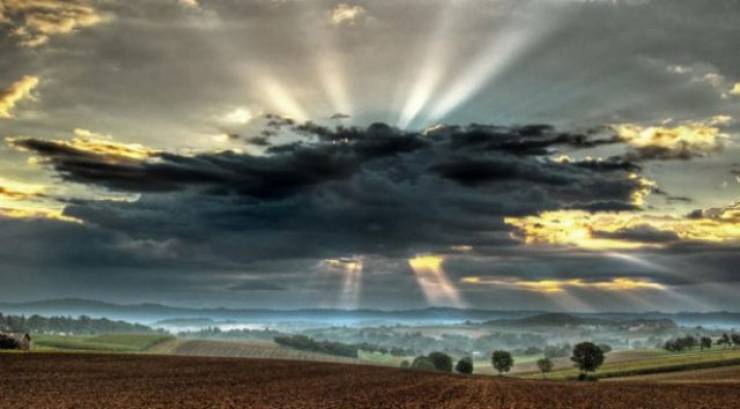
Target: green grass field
<point x="98" y="343"/>
<point x="661" y="362"/>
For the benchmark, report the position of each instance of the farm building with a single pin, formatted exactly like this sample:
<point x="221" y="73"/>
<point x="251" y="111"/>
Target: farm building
<point x="14" y="341"/>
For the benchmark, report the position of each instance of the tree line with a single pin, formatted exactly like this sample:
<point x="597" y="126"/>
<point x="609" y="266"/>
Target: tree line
<point x="689" y="342"/>
<point x="586" y="356"/>
<point x="81" y="325"/>
<point x="305" y="343"/>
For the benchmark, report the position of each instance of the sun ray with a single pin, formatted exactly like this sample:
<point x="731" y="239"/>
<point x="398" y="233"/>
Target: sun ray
<point x="350" y="270"/>
<point x="281" y="99"/>
<point x="432" y="279"/>
<point x="507" y="45"/>
<point x="432" y="69"/>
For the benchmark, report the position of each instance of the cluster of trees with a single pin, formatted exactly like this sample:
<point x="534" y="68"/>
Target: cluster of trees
<point x="216" y="333"/>
<point x="439" y="361"/>
<point x="689" y="342"/>
<point x="557" y="351"/>
<point x="306" y="343"/>
<point x="586" y="356"/>
<point x="68" y="325"/>
<point x="729" y="340"/>
<point x="419" y="343"/>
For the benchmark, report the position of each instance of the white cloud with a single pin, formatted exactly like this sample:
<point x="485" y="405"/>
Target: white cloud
<point x="347" y="14"/>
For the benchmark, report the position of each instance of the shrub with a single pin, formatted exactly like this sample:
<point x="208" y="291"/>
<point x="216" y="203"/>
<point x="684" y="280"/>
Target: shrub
<point x="423" y="363"/>
<point x="583" y="377"/>
<point x="405" y="364"/>
<point x="465" y="366"/>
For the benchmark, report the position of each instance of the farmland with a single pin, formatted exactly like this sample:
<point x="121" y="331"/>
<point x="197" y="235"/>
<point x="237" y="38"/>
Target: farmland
<point x="125" y="381"/>
<point x="660" y="362"/>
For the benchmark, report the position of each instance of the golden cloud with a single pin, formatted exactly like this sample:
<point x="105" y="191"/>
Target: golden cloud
<point x="34" y="22"/>
<point x="98" y="144"/>
<point x="15" y="93"/>
<point x="37" y="213"/>
<point x="559" y="286"/>
<point x="8" y="193"/>
<point x="612" y="231"/>
<point x="680" y="142"/>
<point x="27" y="201"/>
<point x="344" y="265"/>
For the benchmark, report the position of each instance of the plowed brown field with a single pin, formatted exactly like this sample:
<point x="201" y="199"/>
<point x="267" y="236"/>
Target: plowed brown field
<point x="137" y="381"/>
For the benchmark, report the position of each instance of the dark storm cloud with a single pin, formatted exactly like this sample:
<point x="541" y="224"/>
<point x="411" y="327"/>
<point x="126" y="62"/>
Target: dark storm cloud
<point x="341" y="191"/>
<point x="255" y="285"/>
<point x="640" y="233"/>
<point x="469" y="156"/>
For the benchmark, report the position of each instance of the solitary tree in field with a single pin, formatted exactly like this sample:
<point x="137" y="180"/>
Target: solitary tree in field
<point x="705" y="342"/>
<point x="588" y="357"/>
<point x="441" y="361"/>
<point x="502" y="361"/>
<point x="464" y="365"/>
<point x="545" y="366"/>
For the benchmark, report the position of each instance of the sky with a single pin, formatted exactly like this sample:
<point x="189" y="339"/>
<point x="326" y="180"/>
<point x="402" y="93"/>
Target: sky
<point x="539" y="155"/>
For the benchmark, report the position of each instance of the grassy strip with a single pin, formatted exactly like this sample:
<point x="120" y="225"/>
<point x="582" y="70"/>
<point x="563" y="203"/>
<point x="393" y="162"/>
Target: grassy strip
<point x="668" y="369"/>
<point x="101" y="343"/>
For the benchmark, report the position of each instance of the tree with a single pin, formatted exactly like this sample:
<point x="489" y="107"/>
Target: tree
<point x="705" y="342"/>
<point x="724" y="340"/>
<point x="605" y="348"/>
<point x="464" y="365"/>
<point x="545" y="366"/>
<point x="405" y="364"/>
<point x="441" y="361"/>
<point x="735" y="339"/>
<point x="587" y="357"/>
<point x="502" y="361"/>
<point x="424" y="363"/>
<point x="690" y="341"/>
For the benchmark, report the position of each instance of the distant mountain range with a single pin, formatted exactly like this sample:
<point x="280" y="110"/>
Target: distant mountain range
<point x="150" y="313"/>
<point x="565" y="320"/>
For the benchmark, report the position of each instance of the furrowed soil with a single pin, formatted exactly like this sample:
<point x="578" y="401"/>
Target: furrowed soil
<point x="50" y="380"/>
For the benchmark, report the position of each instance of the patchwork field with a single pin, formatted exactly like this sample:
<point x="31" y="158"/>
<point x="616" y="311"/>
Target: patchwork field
<point x="248" y="349"/>
<point x="129" y="381"/>
<point x="724" y="374"/>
